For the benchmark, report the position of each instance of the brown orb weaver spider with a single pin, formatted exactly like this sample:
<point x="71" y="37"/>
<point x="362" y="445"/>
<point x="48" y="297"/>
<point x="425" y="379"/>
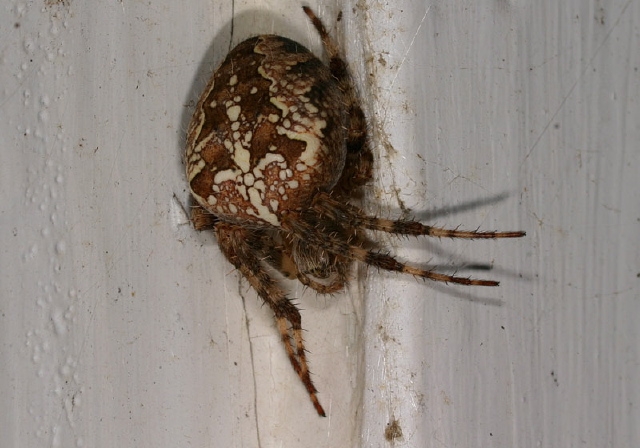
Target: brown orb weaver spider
<point x="276" y="147"/>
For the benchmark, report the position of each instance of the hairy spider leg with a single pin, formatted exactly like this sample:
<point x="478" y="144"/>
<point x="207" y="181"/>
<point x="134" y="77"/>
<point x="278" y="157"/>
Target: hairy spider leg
<point x="335" y="286"/>
<point x="237" y="244"/>
<point x="358" y="168"/>
<point x="202" y="219"/>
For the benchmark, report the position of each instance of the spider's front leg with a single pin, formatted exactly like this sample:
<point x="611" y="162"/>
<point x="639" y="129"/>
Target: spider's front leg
<point x="243" y="248"/>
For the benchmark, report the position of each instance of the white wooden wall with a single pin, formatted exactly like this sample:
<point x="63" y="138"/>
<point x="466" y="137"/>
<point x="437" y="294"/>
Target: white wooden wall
<point x="121" y="326"/>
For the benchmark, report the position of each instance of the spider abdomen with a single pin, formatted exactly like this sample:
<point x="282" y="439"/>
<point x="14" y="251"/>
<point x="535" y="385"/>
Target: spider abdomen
<point x="268" y="132"/>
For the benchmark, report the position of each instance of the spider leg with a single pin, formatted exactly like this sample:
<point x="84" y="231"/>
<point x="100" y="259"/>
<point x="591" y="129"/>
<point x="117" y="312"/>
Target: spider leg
<point x="332" y="242"/>
<point x="202" y="219"/>
<point x="329" y="45"/>
<point x="359" y="162"/>
<point x="239" y="246"/>
<point x="358" y="167"/>
<point x="337" y="284"/>
<point x="336" y="210"/>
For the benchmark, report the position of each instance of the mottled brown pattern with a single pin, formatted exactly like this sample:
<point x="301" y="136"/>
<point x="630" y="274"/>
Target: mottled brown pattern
<point x="276" y="148"/>
<point x="269" y="68"/>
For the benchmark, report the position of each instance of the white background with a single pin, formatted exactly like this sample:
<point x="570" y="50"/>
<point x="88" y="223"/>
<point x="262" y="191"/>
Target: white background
<point x="122" y="326"/>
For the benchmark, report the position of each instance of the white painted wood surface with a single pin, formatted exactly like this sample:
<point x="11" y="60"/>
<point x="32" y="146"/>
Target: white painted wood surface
<point x="121" y="326"/>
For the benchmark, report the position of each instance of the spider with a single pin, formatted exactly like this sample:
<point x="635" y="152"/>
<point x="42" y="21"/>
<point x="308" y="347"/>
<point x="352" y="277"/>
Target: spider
<point x="276" y="148"/>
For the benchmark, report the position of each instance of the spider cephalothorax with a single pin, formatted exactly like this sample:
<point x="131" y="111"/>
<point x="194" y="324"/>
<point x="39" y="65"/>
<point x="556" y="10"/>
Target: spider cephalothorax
<point x="275" y="148"/>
